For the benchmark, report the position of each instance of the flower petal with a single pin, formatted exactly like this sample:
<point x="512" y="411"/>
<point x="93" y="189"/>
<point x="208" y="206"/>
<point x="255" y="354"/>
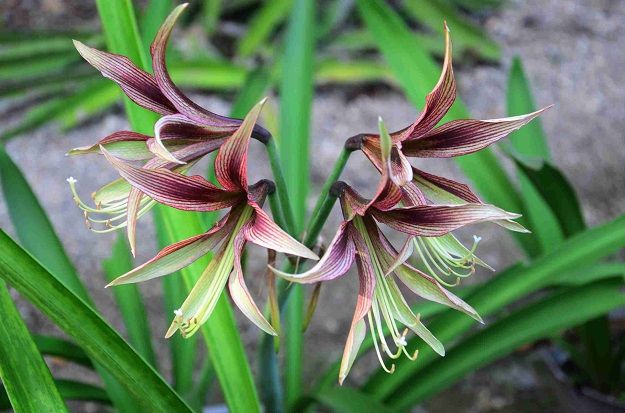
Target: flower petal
<point x="134" y="202"/>
<point x="268" y="234"/>
<point x="114" y="191"/>
<point x="125" y="145"/>
<point x="189" y="193"/>
<point x="139" y="85"/>
<point x="437" y="220"/>
<point x="411" y="195"/>
<point x="366" y="276"/>
<point x="337" y="260"/>
<point x="461" y="137"/>
<point x="182" y="103"/>
<point x="442" y="190"/>
<point x="179" y="255"/>
<point x="239" y="292"/>
<point x="231" y="161"/>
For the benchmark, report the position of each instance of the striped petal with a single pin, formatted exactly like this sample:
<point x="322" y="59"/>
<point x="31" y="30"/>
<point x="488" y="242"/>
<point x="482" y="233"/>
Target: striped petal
<point x="357" y="332"/>
<point x="266" y="233"/>
<point x="179" y="255"/>
<point x="461" y="137"/>
<point x="139" y="85"/>
<point x="437" y="220"/>
<point x="337" y="260"/>
<point x="189" y="193"/>
<point x="401" y="170"/>
<point x="134" y="202"/>
<point x="239" y="292"/>
<point x="231" y="161"/>
<point x="182" y="103"/>
<point x="443" y="191"/>
<point x="125" y="145"/>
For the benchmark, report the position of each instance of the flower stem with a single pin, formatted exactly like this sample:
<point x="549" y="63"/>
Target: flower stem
<point x="316" y="223"/>
<point x="283" y="195"/>
<point x="276" y="211"/>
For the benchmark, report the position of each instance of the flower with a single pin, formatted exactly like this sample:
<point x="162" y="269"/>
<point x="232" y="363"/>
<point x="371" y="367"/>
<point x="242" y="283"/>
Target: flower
<point x="359" y="239"/>
<point x="246" y="221"/>
<point x="182" y="136"/>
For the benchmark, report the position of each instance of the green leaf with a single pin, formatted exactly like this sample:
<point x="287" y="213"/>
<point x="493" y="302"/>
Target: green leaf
<point x="57" y="347"/>
<point x="346" y="400"/>
<point x="296" y="92"/>
<point x="338" y="72"/>
<point x="129" y="300"/>
<point x="262" y="24"/>
<point x="86" y="328"/>
<point x="576" y="252"/>
<point x="534" y="322"/>
<point x="417" y="73"/>
<point x="69" y="390"/>
<point x="22" y="67"/>
<point x="155" y="14"/>
<point x="468" y="37"/>
<point x="254" y="88"/>
<point x="588" y="275"/>
<point x="207" y="74"/>
<point x="211" y="9"/>
<point x="25" y="375"/>
<point x="530" y="141"/>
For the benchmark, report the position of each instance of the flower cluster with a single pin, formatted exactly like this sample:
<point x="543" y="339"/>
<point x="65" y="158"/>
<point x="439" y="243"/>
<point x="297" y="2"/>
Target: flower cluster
<point x="425" y="207"/>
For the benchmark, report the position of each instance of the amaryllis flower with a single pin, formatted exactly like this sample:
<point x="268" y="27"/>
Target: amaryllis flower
<point x="183" y="135"/>
<point x="359" y="239"/>
<point x="423" y="140"/>
<point x="246" y="221"/>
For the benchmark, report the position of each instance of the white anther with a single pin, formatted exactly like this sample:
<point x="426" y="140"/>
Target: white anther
<point x="178" y="312"/>
<point x="476" y="238"/>
<point x="71" y="180"/>
<point x="401" y="341"/>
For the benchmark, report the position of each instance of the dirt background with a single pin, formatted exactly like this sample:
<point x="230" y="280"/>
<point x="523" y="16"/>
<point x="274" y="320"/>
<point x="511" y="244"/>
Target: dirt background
<point x="572" y="52"/>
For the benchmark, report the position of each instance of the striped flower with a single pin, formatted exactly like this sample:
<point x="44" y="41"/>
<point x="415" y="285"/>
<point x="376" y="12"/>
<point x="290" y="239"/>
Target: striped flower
<point x="380" y="302"/>
<point x="246" y="221"/>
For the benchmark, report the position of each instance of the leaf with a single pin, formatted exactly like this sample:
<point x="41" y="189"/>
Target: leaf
<point x="347" y="400"/>
<point x="207" y="74"/>
<point x="86" y="328"/>
<point x="533" y="322"/>
<point x="129" y="301"/>
<point x="57" y="347"/>
<point x="468" y="37"/>
<point x="578" y="251"/>
<point x="25" y="375"/>
<point x="262" y="24"/>
<point x="417" y="73"/>
<point x="69" y="390"/>
<point x="155" y="14"/>
<point x="296" y="93"/>
<point x="588" y="275"/>
<point x="338" y="72"/>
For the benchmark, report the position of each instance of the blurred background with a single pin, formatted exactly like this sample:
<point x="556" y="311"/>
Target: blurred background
<point x="570" y="52"/>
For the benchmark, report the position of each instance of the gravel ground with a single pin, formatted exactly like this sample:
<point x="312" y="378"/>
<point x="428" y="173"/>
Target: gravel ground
<point x="572" y="57"/>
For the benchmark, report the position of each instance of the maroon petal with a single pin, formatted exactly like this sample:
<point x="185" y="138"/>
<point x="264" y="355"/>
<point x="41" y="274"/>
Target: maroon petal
<point x="337" y="260"/>
<point x="188" y="153"/>
<point x="125" y="145"/>
<point x="411" y="195"/>
<point x="139" y="85"/>
<point x="182" y="103"/>
<point x="461" y="137"/>
<point x="231" y="161"/>
<point x="268" y="234"/>
<point x="401" y="170"/>
<point x="442" y="190"/>
<point x="189" y="193"/>
<point x="437" y="220"/>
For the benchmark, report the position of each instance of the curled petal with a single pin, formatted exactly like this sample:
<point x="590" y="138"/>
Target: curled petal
<point x="266" y="233"/>
<point x="134" y="202"/>
<point x="125" y="145"/>
<point x="182" y="103"/>
<point x="231" y="161"/>
<point x="337" y="260"/>
<point x="437" y="220"/>
<point x="461" y="137"/>
<point x="358" y="328"/>
<point x="139" y="85"/>
<point x="189" y="193"/>
<point x="178" y="255"/>
<point x="442" y="190"/>
<point x="239" y="292"/>
<point x="411" y="195"/>
<point x="117" y="190"/>
<point x="186" y="152"/>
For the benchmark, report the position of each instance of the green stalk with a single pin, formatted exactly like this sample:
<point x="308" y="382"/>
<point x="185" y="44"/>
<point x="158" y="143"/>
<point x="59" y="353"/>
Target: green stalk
<point x="276" y="211"/>
<point x="316" y="223"/>
<point x="281" y="187"/>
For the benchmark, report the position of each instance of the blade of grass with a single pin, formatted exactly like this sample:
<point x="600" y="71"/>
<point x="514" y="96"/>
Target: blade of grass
<point x="129" y="300"/>
<point x="534" y="322"/>
<point x="211" y="10"/>
<point x="578" y="251"/>
<point x="296" y="91"/>
<point x="417" y="73"/>
<point x="344" y="400"/>
<point x="26" y="377"/>
<point x="80" y="322"/>
<point x="66" y="350"/>
<point x="155" y="13"/>
<point x="69" y="390"/>
<point x="262" y="24"/>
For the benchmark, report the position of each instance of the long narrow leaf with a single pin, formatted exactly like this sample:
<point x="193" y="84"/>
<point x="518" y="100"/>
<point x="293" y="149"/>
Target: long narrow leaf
<point x="25" y="375"/>
<point x="266" y="19"/>
<point x="86" y="328"/>
<point x="57" y="347"/>
<point x="69" y="390"/>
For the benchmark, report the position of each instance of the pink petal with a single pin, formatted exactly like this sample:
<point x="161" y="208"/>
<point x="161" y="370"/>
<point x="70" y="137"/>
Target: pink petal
<point x="231" y="161"/>
<point x="335" y="262"/>
<point x="461" y="137"/>
<point x="182" y="103"/>
<point x="411" y="195"/>
<point x="239" y="292"/>
<point x="442" y="190"/>
<point x="401" y="170"/>
<point x="268" y="234"/>
<point x="123" y="145"/>
<point x="134" y="202"/>
<point x="186" y="152"/>
<point x="179" y="255"/>
<point x="189" y="193"/>
<point x="436" y="220"/>
<point x="139" y="85"/>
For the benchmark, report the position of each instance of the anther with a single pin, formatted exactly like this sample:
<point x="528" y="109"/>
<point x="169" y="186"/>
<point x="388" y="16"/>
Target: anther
<point x="93" y="196"/>
<point x="88" y="224"/>
<point x="108" y="223"/>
